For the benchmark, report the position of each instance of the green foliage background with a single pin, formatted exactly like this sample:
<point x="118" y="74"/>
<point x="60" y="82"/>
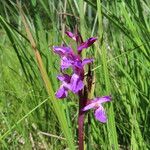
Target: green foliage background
<point x="31" y="118"/>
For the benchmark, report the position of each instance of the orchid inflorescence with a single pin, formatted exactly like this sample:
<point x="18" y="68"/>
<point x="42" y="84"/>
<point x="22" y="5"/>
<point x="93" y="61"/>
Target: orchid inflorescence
<point x="75" y="81"/>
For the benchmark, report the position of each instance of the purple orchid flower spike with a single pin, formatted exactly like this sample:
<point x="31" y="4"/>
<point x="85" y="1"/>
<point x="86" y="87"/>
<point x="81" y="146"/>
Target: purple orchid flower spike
<point x="86" y="44"/>
<point x="74" y="82"/>
<point x="100" y="114"/>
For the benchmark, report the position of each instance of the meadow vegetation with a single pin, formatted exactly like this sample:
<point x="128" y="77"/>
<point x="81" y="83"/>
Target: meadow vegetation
<point x="30" y="115"/>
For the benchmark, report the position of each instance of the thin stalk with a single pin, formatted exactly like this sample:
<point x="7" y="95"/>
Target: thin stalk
<point x="82" y="104"/>
<point x="81" y="125"/>
<point x="84" y="96"/>
<point x="91" y="88"/>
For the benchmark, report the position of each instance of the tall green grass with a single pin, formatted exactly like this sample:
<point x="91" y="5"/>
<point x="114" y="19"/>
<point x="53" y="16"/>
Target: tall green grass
<point x="28" y="116"/>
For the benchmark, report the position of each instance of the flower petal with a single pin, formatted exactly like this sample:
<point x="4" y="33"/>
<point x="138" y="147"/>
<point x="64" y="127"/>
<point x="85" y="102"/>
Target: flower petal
<point x="62" y="50"/>
<point x="61" y="93"/>
<point x="71" y="35"/>
<point x="89" y="106"/>
<point x="66" y="63"/>
<point x="100" y="114"/>
<point x="87" y="43"/>
<point x="76" y="84"/>
<point x="101" y="100"/>
<point x="64" y="77"/>
<point x="87" y="61"/>
<point x="78" y="64"/>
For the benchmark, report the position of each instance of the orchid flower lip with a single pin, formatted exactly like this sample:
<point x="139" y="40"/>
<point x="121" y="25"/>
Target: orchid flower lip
<point x="62" y="92"/>
<point x="76" y="83"/>
<point x="100" y="114"/>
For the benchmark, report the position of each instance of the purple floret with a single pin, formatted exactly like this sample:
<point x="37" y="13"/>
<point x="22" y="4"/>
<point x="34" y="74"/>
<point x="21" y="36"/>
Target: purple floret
<point x="72" y="83"/>
<point x="87" y="43"/>
<point x="96" y="103"/>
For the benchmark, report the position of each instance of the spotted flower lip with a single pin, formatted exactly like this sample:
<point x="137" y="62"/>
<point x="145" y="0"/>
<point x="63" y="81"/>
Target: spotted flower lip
<point x="96" y="104"/>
